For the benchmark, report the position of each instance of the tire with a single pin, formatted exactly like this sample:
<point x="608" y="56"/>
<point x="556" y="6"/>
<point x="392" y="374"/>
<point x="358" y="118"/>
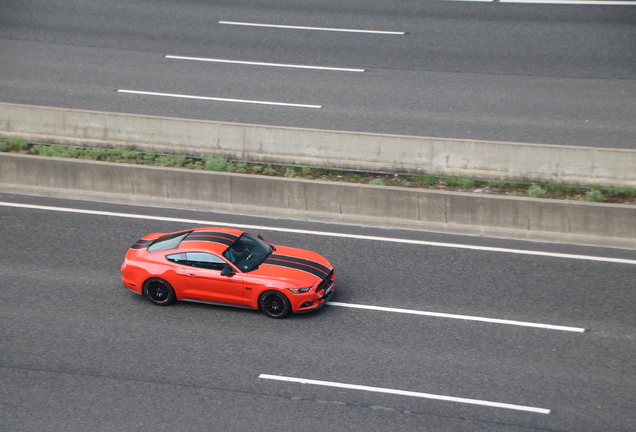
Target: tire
<point x="159" y="292"/>
<point x="274" y="304"/>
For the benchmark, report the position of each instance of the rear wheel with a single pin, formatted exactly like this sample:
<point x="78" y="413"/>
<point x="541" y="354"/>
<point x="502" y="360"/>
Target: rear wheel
<point x="274" y="304"/>
<point x="159" y="291"/>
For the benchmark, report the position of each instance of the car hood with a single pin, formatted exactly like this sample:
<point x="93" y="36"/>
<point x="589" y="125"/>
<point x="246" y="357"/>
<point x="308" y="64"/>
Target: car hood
<point x="299" y="267"/>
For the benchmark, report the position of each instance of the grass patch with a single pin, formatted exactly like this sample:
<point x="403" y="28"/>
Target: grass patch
<point x="467" y="183"/>
<point x="240" y="167"/>
<point x="550" y="189"/>
<point x="594" y="195"/>
<point x="426" y="180"/>
<point x="213" y="163"/>
<point x="270" y="170"/>
<point x="171" y="160"/>
<point x="17" y="144"/>
<point x="624" y="192"/>
<point x="495" y="184"/>
<point x="377" y="182"/>
<point x="536" y="191"/>
<point x="290" y="172"/>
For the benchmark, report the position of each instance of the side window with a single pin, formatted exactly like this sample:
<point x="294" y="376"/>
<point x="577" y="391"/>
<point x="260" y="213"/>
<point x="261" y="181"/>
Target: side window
<point x="205" y="260"/>
<point x="179" y="258"/>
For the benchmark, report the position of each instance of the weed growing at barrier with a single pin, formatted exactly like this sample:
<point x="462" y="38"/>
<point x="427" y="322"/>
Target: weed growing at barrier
<point x="218" y="164"/>
<point x="555" y="190"/>
<point x="562" y="188"/>
<point x="627" y="192"/>
<point x="595" y="195"/>
<point x="377" y="182"/>
<point x="17" y="144"/>
<point x="170" y="160"/>
<point x="290" y="172"/>
<point x="426" y="180"/>
<point x="467" y="183"/>
<point x="536" y="191"/>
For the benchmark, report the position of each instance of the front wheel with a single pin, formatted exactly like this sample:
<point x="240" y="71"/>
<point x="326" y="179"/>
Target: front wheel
<point x="274" y="304"/>
<point x="159" y="291"/>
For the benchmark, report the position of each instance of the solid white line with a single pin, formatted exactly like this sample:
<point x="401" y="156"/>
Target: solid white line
<point x="573" y="2"/>
<point x="561" y="2"/>
<point x="263" y="64"/>
<point x="323" y="233"/>
<point x="216" y="99"/>
<point x="311" y="28"/>
<point x="349" y="305"/>
<point x="460" y="317"/>
<point x="406" y="393"/>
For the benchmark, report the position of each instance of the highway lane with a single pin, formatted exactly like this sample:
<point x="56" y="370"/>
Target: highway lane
<point x="531" y="73"/>
<point x="80" y="352"/>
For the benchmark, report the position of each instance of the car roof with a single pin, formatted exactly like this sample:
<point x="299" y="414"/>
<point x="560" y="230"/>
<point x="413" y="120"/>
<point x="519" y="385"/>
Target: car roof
<point x="215" y="240"/>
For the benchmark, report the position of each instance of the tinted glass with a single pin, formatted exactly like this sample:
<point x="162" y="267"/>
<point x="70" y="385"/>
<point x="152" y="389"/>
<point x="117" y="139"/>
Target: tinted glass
<point x="170" y="241"/>
<point x="179" y="258"/>
<point x="248" y="252"/>
<point x="205" y="260"/>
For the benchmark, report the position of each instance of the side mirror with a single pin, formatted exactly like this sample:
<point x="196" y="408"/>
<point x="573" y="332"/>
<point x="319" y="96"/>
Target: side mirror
<point x="227" y="271"/>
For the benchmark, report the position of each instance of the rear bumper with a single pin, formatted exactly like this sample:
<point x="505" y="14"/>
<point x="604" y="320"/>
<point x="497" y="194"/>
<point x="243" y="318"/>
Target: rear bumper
<point x="130" y="283"/>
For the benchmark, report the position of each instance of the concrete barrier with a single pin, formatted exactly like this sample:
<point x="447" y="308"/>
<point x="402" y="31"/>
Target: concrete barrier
<point x="319" y="148"/>
<point x="464" y="213"/>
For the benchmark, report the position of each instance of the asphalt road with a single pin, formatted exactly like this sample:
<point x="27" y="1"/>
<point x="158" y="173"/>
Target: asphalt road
<point x="79" y="352"/>
<point x="557" y="74"/>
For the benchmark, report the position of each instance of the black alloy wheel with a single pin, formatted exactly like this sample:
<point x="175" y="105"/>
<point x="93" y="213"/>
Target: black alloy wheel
<point x="159" y="291"/>
<point x="274" y="304"/>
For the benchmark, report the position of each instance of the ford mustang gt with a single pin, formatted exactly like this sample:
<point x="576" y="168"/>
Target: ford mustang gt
<point x="227" y="266"/>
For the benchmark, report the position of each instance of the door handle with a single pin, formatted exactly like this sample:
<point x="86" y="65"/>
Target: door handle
<point x="192" y="275"/>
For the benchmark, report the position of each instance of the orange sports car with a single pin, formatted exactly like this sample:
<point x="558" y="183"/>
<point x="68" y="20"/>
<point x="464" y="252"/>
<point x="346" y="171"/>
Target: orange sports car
<point x="227" y="266"/>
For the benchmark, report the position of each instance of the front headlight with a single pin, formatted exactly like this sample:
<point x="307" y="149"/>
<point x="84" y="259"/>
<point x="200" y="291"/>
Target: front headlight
<point x="299" y="290"/>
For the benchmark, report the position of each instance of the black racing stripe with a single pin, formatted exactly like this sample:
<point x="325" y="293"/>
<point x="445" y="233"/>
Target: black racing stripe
<point x="304" y="267"/>
<point x="304" y="261"/>
<point x="141" y="244"/>
<point x="211" y="236"/>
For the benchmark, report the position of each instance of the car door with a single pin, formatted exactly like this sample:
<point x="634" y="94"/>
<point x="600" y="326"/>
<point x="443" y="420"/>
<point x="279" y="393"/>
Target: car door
<point x="202" y="274"/>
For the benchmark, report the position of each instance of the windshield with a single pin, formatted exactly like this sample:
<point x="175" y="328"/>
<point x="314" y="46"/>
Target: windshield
<point x="248" y="252"/>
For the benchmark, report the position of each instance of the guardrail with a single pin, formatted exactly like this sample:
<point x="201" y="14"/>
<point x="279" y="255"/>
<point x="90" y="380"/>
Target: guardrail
<point x="319" y="148"/>
<point x="463" y="213"/>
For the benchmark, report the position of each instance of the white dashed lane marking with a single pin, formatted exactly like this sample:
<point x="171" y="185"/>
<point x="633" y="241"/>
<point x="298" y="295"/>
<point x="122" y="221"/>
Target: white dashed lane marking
<point x="459" y="317"/>
<point x="406" y="393"/>
<point x="294" y="27"/>
<point x="252" y="63"/>
<point x="217" y="99"/>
